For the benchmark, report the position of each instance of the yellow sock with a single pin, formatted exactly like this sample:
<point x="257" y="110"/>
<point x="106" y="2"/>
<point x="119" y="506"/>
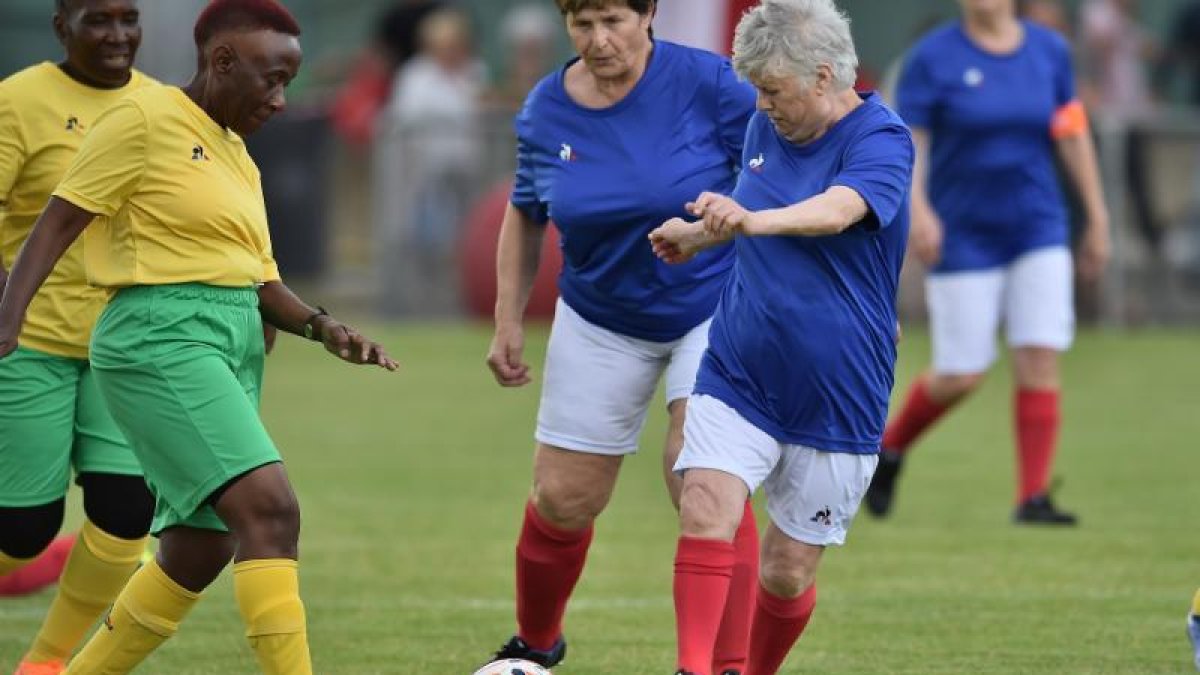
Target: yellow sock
<point x="1196" y="603"/>
<point x="145" y="614"/>
<point x="97" y="569"/>
<point x="268" y="593"/>
<point x="9" y="564"/>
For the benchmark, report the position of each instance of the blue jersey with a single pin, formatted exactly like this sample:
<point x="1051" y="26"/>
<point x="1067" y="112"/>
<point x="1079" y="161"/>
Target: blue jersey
<point x="607" y="177"/>
<point x="803" y="343"/>
<point x="992" y="179"/>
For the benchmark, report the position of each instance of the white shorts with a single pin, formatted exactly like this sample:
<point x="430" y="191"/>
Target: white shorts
<point x="598" y="384"/>
<point x="812" y="495"/>
<point x="1032" y="296"/>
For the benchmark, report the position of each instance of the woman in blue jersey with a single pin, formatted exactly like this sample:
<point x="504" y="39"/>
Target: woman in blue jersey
<point x="610" y="146"/>
<point x="792" y="393"/>
<point x="991" y="99"/>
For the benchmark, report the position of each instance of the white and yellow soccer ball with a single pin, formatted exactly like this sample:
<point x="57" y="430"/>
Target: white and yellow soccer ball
<point x="512" y="667"/>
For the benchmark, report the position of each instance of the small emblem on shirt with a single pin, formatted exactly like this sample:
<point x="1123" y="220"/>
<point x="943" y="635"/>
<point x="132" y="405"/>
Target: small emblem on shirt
<point x="973" y="77"/>
<point x="823" y="518"/>
<point x="73" y="123"/>
<point x="756" y="164"/>
<point x="567" y="154"/>
<point x="198" y="153"/>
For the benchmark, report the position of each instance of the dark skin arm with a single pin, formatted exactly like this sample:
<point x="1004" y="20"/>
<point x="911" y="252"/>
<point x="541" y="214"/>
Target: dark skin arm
<point x="56" y="229"/>
<point x="281" y="308"/>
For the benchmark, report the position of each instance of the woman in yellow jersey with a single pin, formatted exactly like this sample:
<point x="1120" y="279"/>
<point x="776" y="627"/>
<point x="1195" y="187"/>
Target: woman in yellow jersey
<point x="182" y="239"/>
<point x="52" y="417"/>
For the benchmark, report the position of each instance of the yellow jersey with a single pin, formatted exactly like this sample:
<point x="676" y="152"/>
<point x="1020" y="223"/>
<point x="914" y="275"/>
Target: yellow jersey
<point x="180" y="197"/>
<point x="44" y="116"/>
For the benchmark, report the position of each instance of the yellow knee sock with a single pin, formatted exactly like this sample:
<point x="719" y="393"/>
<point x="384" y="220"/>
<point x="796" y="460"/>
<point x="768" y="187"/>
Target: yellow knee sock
<point x="146" y="613"/>
<point x="268" y="593"/>
<point x="97" y="569"/>
<point x="9" y="564"/>
<point x="1196" y="603"/>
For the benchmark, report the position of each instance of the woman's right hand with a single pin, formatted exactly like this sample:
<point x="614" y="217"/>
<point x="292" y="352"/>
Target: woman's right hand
<point x="926" y="237"/>
<point x="8" y="340"/>
<point x="505" y="356"/>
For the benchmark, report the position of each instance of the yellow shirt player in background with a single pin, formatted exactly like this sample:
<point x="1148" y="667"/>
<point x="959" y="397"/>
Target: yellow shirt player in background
<point x="52" y="418"/>
<point x="180" y="235"/>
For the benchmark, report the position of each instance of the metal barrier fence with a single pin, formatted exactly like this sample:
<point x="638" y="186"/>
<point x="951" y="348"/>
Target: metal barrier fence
<point x="425" y="179"/>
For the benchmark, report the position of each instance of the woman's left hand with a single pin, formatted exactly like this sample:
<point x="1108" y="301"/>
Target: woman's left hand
<point x="353" y="347"/>
<point x="722" y="216"/>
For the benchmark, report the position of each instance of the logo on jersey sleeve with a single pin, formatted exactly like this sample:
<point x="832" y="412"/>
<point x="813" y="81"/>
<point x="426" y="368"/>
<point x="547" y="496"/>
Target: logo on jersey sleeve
<point x="73" y="124"/>
<point x="198" y="154"/>
<point x="973" y="77"/>
<point x="756" y="164"/>
<point x="567" y="154"/>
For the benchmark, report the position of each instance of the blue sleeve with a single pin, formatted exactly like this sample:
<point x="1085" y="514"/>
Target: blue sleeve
<point x="878" y="166"/>
<point x="735" y="106"/>
<point x="916" y="91"/>
<point x="524" y="193"/>
<point x="1064" y="71"/>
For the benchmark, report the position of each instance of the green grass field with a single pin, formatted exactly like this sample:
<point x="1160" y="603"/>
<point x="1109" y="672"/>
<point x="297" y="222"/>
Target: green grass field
<point x="412" y="486"/>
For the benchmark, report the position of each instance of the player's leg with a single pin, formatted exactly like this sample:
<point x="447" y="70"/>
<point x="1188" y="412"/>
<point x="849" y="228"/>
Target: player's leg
<point x="723" y="459"/>
<point x="812" y="498"/>
<point x="1041" y="324"/>
<point x="964" y="314"/>
<point x="118" y="506"/>
<point x="733" y="639"/>
<point x="37" y="408"/>
<point x="595" y="395"/>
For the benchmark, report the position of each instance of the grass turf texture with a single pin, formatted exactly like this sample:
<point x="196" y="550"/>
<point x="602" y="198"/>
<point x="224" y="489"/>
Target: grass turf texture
<point x="412" y="486"/>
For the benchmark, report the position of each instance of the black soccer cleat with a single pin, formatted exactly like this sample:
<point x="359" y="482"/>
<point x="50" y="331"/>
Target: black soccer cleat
<point x="1039" y="510"/>
<point x="516" y="648"/>
<point x="883" y="483"/>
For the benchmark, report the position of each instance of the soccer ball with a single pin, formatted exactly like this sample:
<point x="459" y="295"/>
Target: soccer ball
<point x="512" y="667"/>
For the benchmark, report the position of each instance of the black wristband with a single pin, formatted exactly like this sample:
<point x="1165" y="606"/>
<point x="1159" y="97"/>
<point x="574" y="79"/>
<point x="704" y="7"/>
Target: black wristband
<point x="309" y="329"/>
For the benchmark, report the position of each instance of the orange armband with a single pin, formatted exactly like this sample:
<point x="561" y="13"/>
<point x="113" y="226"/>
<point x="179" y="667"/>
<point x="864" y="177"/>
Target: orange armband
<point x="1069" y="120"/>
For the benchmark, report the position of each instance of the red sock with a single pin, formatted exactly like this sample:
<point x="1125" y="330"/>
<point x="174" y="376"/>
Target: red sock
<point x="778" y="623"/>
<point x="549" y="562"/>
<point x="43" y="571"/>
<point x="1037" y="420"/>
<point x="703" y="568"/>
<point x="733" y="640"/>
<point x="917" y="415"/>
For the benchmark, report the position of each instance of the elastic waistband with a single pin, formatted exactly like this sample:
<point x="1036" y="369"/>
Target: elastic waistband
<point x="244" y="296"/>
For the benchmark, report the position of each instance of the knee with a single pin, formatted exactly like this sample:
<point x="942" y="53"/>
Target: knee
<point x="1036" y="367"/>
<point x="272" y="517"/>
<point x="785" y="578"/>
<point x="567" y="506"/>
<point x="26" y="531"/>
<point x="948" y="388"/>
<point x="701" y="513"/>
<point x="119" y="505"/>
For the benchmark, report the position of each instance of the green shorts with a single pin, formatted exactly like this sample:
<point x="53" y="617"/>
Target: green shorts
<point x="180" y="367"/>
<point x="52" y="418"/>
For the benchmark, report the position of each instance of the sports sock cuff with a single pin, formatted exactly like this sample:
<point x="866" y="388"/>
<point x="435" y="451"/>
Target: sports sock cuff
<point x="1037" y="404"/>
<point x="268" y="594"/>
<point x="788" y="608"/>
<point x="713" y="557"/>
<point x="549" y="531"/>
<point x="155" y="601"/>
<point x="109" y="548"/>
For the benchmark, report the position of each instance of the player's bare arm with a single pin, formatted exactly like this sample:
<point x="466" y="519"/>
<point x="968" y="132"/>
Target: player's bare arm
<point x="284" y="310"/>
<point x="57" y="228"/>
<point x="517" y="260"/>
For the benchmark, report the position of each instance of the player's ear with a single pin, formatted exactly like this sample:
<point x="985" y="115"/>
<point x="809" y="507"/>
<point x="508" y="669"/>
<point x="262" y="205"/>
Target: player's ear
<point x="222" y="58"/>
<point x="59" y="21"/>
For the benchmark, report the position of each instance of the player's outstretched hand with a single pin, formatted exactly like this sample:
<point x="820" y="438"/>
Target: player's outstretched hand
<point x="723" y="217"/>
<point x="506" y="356"/>
<point x="678" y="241"/>
<point x="353" y="347"/>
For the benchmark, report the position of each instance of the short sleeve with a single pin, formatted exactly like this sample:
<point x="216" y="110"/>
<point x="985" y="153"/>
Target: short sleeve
<point x="524" y="193"/>
<point x="1064" y="72"/>
<point x="878" y="166"/>
<point x="12" y="147"/>
<point x="735" y="106"/>
<point x="916" y="91"/>
<point x="110" y="163"/>
<point x="266" y="253"/>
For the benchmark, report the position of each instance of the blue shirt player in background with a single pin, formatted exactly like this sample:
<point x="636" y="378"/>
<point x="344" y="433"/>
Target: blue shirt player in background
<point x="609" y="147"/>
<point x="991" y="99"/>
<point x="793" y="390"/>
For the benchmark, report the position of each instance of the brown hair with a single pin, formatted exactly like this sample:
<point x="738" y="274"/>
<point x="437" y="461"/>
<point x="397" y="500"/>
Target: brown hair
<point x="573" y="6"/>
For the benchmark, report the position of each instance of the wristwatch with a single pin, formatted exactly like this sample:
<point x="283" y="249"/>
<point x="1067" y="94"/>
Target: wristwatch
<point x="310" y="331"/>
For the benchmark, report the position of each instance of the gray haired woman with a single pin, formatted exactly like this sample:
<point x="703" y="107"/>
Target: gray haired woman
<point x="792" y="393"/>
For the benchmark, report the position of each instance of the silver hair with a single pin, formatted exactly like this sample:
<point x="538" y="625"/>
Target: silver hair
<point x="795" y="37"/>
